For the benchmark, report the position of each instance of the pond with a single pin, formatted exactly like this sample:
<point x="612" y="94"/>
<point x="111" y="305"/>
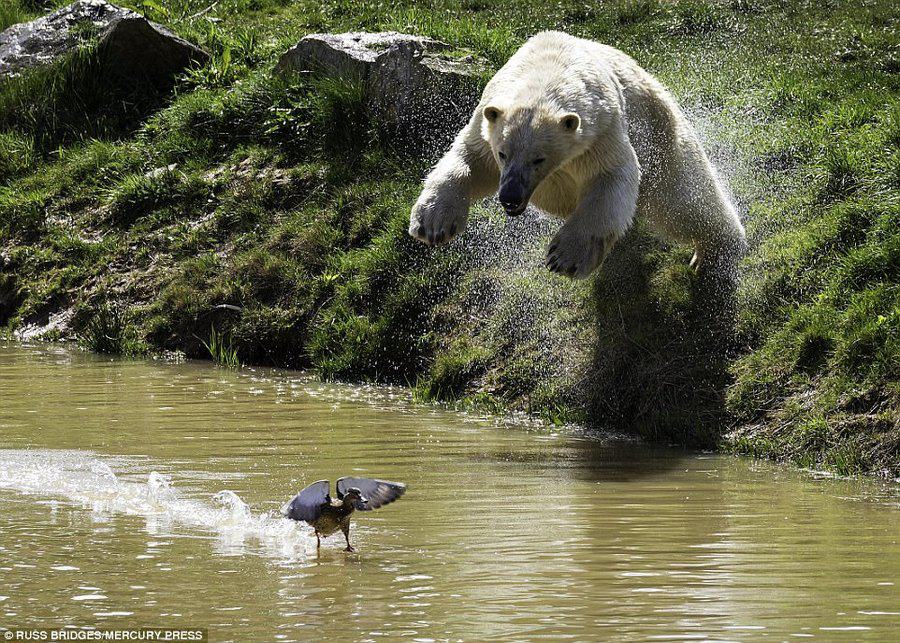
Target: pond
<point x="146" y="493"/>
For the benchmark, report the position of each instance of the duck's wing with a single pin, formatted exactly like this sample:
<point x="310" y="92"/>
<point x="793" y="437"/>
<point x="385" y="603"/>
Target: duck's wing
<point x="307" y="505"/>
<point x="377" y="492"/>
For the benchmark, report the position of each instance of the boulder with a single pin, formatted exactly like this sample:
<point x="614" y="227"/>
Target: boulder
<point x="132" y="47"/>
<point x="135" y="48"/>
<point x="415" y="87"/>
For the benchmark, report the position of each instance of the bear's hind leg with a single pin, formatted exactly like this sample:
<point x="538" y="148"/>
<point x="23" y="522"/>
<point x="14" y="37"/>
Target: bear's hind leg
<point x="699" y="212"/>
<point x="719" y="261"/>
<point x="696" y="260"/>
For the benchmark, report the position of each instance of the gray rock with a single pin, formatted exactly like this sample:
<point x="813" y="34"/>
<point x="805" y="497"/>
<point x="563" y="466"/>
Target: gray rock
<point x="132" y="47"/>
<point x="414" y="87"/>
<point x="350" y="53"/>
<point x="41" y="41"/>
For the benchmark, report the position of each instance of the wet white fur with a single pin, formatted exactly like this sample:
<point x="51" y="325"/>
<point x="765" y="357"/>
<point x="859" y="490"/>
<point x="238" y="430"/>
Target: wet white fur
<point x="634" y="153"/>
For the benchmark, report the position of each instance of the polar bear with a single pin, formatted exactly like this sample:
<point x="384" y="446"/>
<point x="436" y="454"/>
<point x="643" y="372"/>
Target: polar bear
<point x="581" y="131"/>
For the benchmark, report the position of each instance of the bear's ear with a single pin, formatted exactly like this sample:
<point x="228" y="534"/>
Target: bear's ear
<point x="570" y="122"/>
<point x="491" y="113"/>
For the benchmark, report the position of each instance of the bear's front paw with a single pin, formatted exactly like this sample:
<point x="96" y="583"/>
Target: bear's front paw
<point x="435" y="222"/>
<point x="576" y="254"/>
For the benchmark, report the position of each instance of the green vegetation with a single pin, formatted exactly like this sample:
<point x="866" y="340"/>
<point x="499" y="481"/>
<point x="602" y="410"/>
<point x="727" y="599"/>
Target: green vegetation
<point x="274" y="212"/>
<point x="221" y="349"/>
<point x="107" y="329"/>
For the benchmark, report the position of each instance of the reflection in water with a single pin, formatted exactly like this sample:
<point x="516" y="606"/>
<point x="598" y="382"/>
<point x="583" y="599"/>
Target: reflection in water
<point x="135" y="492"/>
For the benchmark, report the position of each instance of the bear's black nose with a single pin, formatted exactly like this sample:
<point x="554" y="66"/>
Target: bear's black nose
<point x="512" y="199"/>
<point x="512" y="208"/>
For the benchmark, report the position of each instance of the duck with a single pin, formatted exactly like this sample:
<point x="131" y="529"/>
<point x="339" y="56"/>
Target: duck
<point x="326" y="515"/>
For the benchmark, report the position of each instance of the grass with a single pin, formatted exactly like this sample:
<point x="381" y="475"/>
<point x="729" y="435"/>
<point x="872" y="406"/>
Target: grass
<point x="275" y="212"/>
<point x="221" y="350"/>
<point x="108" y="330"/>
<point x="73" y="100"/>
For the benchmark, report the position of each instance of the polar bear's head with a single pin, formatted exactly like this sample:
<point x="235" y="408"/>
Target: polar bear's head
<point x="529" y="144"/>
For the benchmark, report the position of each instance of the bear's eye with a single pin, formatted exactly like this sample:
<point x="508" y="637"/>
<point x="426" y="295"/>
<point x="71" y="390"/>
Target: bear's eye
<point x="502" y="156"/>
<point x="538" y="161"/>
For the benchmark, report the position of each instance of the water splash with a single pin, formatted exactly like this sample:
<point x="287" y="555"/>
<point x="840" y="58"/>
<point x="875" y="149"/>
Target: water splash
<point x="232" y="503"/>
<point x="159" y="487"/>
<point x="80" y="478"/>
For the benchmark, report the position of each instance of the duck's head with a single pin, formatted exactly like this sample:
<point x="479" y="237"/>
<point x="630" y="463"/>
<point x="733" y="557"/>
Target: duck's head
<point x="354" y="497"/>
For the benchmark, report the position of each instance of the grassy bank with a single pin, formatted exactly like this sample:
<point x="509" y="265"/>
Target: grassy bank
<point x="275" y="215"/>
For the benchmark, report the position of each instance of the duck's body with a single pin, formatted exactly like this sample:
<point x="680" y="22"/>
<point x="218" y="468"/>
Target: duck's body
<point x="315" y="506"/>
<point x="335" y="515"/>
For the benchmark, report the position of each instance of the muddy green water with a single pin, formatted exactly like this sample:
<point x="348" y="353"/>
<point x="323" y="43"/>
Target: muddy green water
<point x="140" y="493"/>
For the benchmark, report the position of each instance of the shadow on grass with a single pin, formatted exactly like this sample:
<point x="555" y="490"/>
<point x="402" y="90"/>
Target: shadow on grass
<point x="664" y="340"/>
<point x="75" y="98"/>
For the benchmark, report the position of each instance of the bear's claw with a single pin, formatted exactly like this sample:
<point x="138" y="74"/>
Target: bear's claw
<point x="434" y="223"/>
<point x="575" y="254"/>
